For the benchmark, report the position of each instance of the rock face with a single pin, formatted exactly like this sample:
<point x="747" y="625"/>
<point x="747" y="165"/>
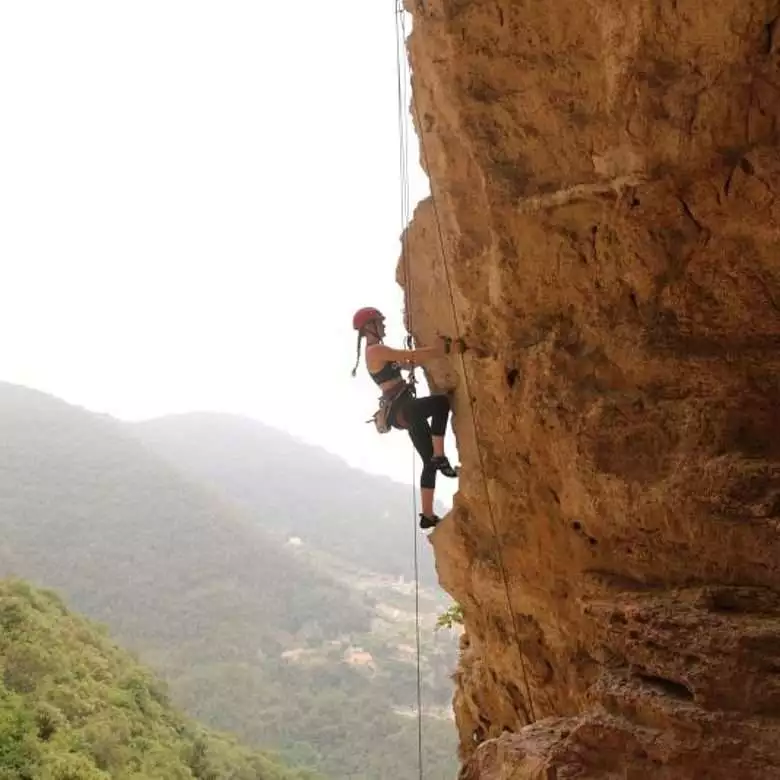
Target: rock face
<point x="605" y="177"/>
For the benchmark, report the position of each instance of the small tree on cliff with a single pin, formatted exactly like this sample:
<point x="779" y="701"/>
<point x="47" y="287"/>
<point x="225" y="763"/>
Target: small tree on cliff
<point x="450" y="617"/>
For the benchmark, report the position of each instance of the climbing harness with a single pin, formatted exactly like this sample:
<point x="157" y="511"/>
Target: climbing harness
<point x="387" y="416"/>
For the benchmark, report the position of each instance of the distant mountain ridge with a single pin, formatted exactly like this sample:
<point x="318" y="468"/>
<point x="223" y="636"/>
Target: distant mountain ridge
<point x="293" y="488"/>
<point x="83" y="502"/>
<point x="210" y="599"/>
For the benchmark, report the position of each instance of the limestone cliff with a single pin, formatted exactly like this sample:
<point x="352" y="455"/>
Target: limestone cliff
<point x="605" y="175"/>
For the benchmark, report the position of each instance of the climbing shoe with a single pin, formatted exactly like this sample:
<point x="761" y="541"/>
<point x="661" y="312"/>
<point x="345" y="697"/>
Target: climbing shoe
<point x="428" y="522"/>
<point x="442" y="463"/>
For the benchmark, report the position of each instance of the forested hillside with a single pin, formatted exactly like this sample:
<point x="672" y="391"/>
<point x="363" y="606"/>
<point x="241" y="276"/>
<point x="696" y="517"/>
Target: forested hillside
<point x="74" y="706"/>
<point x="295" y="489"/>
<point x="251" y="635"/>
<point x="87" y="509"/>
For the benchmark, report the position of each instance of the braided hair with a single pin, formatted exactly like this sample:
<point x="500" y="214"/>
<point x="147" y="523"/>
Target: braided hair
<point x="357" y="358"/>
<point x="361" y="336"/>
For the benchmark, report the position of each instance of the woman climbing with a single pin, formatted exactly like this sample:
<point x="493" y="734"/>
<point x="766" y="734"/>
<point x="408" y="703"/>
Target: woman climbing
<point x="406" y="412"/>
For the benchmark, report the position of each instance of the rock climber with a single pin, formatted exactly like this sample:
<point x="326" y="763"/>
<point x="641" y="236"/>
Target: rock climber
<point x="405" y="410"/>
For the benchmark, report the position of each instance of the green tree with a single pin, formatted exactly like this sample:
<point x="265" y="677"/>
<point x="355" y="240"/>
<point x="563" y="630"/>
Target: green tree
<point x="74" y="706"/>
<point x="450" y="617"/>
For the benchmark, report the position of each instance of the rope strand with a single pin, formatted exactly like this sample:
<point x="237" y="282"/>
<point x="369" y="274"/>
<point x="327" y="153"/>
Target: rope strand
<point x="528" y="711"/>
<point x="400" y="31"/>
<point x="402" y="76"/>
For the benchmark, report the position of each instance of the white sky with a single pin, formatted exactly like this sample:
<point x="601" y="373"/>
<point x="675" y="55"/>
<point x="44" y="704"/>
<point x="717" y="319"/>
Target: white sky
<point x="194" y="198"/>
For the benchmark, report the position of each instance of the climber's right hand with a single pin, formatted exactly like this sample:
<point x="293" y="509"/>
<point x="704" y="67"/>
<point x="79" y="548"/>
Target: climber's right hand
<point x="460" y="346"/>
<point x="453" y="346"/>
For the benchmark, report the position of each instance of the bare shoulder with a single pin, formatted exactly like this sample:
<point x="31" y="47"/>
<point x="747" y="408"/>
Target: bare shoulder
<point x="375" y="355"/>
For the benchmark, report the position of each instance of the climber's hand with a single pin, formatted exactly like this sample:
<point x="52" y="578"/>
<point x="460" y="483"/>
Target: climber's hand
<point x="441" y="347"/>
<point x="453" y="346"/>
<point x="445" y="345"/>
<point x="459" y="346"/>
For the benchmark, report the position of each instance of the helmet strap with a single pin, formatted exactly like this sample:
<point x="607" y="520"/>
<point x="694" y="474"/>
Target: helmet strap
<point x="370" y="328"/>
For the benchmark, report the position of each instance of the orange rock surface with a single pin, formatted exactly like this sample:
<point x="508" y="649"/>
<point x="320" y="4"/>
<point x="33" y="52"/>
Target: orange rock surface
<point x="605" y="176"/>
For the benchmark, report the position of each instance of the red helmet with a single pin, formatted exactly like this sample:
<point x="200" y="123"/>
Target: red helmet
<point x="362" y="317"/>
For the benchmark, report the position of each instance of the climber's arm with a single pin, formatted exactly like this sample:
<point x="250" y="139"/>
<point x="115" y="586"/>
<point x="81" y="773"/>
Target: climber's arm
<point x="407" y="357"/>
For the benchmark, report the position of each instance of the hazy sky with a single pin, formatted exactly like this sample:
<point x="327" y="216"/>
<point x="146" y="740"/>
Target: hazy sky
<point x="194" y="197"/>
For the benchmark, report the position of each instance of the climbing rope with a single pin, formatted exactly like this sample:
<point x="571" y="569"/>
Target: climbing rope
<point x="403" y="141"/>
<point x="403" y="137"/>
<point x="528" y="711"/>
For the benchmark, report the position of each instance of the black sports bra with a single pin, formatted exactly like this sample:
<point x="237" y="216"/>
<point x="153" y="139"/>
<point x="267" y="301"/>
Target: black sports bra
<point x="386" y="373"/>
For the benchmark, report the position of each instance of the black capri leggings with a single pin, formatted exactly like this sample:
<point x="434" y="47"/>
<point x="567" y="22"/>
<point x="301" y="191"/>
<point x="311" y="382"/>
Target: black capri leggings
<point x="416" y="412"/>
